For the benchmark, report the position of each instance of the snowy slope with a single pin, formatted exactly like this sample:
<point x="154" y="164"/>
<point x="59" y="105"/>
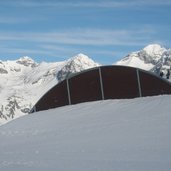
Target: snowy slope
<point x="23" y="82"/>
<point x="111" y="135"/>
<point x="152" y="58"/>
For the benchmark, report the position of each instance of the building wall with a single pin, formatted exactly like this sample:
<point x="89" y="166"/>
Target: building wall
<point x="56" y="97"/>
<point x="119" y="82"/>
<point x="106" y="82"/>
<point x="85" y="87"/>
<point x="152" y="85"/>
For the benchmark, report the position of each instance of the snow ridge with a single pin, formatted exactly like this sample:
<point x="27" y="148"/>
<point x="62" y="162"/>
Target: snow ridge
<point x="24" y="81"/>
<point x="151" y="58"/>
<point x="75" y="64"/>
<point x="26" y="61"/>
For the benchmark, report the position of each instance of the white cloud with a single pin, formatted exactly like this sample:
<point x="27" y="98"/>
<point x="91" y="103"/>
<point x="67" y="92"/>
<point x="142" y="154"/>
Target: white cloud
<point x="156" y="2"/>
<point x="69" y="3"/>
<point x="95" y="37"/>
<point x="13" y="20"/>
<point x="9" y="50"/>
<point x="18" y="20"/>
<point x="70" y="42"/>
<point x="87" y="4"/>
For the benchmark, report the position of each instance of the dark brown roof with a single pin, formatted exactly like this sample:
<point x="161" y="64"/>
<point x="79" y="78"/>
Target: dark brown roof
<point x="101" y="83"/>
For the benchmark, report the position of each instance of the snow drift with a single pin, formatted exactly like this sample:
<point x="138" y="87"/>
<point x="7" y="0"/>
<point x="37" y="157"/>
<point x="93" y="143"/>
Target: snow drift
<point x="121" y="135"/>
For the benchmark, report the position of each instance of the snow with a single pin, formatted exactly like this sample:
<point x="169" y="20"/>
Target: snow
<point x="151" y="58"/>
<point x="134" y="61"/>
<point x="121" y="135"/>
<point x="23" y="82"/>
<point x="154" y="50"/>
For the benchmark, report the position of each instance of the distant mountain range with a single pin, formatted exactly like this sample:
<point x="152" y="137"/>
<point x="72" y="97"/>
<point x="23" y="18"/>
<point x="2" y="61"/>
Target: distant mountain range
<point x="23" y="81"/>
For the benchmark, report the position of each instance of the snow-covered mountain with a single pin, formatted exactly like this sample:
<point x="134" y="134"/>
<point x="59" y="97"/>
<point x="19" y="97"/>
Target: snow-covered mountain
<point x="23" y="82"/>
<point x="152" y="58"/>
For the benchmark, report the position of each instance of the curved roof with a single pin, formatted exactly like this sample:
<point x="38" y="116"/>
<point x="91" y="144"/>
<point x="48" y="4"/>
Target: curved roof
<point x="101" y="83"/>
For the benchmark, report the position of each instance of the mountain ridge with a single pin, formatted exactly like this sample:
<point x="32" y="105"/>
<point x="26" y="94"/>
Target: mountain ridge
<point x="153" y="57"/>
<point x="24" y="81"/>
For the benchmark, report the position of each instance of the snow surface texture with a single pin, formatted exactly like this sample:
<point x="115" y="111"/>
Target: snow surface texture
<point x="152" y="58"/>
<point x="23" y="82"/>
<point x="111" y="135"/>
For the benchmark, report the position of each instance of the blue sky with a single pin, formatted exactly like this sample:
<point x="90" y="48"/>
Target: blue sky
<point x="105" y="30"/>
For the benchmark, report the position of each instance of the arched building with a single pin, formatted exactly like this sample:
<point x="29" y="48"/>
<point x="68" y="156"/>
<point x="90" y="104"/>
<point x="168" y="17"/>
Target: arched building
<point x="101" y="83"/>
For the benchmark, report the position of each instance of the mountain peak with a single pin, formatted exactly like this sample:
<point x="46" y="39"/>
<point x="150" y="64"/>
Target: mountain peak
<point x="75" y="64"/>
<point x="81" y="61"/>
<point x="80" y="57"/>
<point x="24" y="58"/>
<point x="147" y="58"/>
<point x="26" y="61"/>
<point x="154" y="49"/>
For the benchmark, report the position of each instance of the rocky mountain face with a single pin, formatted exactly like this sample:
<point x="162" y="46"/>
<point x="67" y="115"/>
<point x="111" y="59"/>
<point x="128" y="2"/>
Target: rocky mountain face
<point x="74" y="65"/>
<point x="23" y="82"/>
<point x="152" y="58"/>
